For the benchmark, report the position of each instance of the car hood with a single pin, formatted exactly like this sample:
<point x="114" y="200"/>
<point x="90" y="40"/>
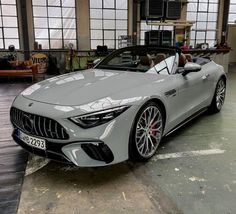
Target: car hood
<point x="84" y="87"/>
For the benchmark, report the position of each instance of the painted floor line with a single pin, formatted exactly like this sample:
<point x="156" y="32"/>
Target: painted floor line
<point x="189" y="154"/>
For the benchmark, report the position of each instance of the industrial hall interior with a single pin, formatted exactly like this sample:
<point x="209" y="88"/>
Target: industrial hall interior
<point x="117" y="106"/>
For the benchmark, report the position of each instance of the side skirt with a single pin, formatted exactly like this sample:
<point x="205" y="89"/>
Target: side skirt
<point x="187" y="120"/>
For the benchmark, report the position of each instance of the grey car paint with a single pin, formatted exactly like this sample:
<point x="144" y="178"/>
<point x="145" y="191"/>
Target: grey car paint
<point x="93" y="90"/>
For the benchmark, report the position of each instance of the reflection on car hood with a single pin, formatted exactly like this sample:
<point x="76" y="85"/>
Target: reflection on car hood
<point x="83" y="87"/>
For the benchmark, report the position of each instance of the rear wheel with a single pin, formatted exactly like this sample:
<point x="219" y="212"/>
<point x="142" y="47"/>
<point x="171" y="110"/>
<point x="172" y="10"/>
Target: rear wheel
<point x="146" y="132"/>
<point x="219" y="97"/>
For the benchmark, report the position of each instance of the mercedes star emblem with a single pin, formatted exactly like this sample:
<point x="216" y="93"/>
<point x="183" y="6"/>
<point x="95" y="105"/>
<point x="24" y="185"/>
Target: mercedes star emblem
<point x="28" y="123"/>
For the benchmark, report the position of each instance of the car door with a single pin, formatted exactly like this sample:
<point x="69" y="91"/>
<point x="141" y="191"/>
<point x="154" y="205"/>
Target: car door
<point x="169" y="89"/>
<point x="193" y="93"/>
<point x="185" y="95"/>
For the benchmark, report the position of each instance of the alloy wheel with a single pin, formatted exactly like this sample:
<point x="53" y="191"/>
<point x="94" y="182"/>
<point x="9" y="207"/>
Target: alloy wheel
<point x="149" y="131"/>
<point x="220" y="94"/>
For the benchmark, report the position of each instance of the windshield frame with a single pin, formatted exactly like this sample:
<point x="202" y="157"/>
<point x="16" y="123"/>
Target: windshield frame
<point x="145" y="48"/>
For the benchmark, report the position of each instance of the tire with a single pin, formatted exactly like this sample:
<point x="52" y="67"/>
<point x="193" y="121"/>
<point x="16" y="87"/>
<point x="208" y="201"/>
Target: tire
<point x="219" y="97"/>
<point x="146" y="132"/>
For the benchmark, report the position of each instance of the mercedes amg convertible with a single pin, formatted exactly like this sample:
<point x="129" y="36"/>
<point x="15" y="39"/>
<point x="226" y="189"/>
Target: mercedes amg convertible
<point x="120" y="109"/>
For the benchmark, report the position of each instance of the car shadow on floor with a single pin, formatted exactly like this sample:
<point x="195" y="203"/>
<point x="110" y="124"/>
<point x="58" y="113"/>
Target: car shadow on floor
<point x="102" y="175"/>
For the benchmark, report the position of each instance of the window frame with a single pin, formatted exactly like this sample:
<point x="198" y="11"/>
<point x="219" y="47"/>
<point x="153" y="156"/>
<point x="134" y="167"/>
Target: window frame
<point x="3" y="38"/>
<point x="231" y="13"/>
<point x="103" y="30"/>
<point x="196" y="30"/>
<point x="62" y="28"/>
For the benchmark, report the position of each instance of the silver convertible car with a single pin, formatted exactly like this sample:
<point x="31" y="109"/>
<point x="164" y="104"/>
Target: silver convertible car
<point x="120" y="109"/>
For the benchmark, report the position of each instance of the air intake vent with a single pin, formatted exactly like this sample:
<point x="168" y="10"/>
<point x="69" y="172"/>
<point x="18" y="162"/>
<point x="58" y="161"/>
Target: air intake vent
<point x="37" y="125"/>
<point x="173" y="10"/>
<point x="154" y="9"/>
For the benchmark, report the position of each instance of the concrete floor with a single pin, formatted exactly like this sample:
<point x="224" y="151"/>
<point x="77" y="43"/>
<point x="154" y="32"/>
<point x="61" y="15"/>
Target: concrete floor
<point x="188" y="184"/>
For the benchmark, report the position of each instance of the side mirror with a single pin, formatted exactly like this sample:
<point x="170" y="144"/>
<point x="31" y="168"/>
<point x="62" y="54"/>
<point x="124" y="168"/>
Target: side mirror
<point x="191" y="67"/>
<point x="96" y="61"/>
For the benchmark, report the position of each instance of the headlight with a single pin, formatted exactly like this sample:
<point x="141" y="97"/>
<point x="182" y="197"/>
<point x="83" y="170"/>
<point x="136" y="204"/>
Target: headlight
<point x="98" y="118"/>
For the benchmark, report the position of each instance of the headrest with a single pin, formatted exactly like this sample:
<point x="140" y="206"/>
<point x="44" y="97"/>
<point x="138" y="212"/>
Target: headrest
<point x="189" y="57"/>
<point x="159" y="57"/>
<point x="144" y="60"/>
<point x="182" y="60"/>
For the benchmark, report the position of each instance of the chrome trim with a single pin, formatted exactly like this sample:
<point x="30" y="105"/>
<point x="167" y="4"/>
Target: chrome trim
<point x="44" y="126"/>
<point x="62" y="131"/>
<point x="198" y="113"/>
<point x="35" y="128"/>
<point x="56" y="130"/>
<point x="40" y="125"/>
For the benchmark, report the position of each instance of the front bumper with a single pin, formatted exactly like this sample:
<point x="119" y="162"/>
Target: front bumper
<point x="66" y="153"/>
<point x="53" y="150"/>
<point x="99" y="146"/>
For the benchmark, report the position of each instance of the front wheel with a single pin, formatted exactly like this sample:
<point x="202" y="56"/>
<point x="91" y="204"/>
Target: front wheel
<point x="219" y="97"/>
<point x="146" y="132"/>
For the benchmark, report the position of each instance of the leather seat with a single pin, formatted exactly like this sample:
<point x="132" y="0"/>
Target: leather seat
<point x="144" y="63"/>
<point x="182" y="60"/>
<point x="159" y="57"/>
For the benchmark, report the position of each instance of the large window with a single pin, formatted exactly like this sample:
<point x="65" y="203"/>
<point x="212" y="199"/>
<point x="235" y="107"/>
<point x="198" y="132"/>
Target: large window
<point x="9" y="34"/>
<point x="204" y="13"/>
<point x="54" y="23"/>
<point x="232" y="12"/>
<point x="108" y="21"/>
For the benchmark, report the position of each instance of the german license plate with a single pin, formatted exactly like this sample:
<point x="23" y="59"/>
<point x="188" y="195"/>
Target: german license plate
<point x="32" y="141"/>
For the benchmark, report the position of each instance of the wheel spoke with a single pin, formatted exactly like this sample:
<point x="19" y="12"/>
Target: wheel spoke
<point x="152" y="144"/>
<point x="143" y="135"/>
<point x="156" y="129"/>
<point x="222" y="90"/>
<point x="149" y="115"/>
<point x="156" y="113"/>
<point x="156" y="122"/>
<point x="146" y="144"/>
<point x="143" y="118"/>
<point x="140" y="129"/>
<point x="141" y="143"/>
<point x="141" y="147"/>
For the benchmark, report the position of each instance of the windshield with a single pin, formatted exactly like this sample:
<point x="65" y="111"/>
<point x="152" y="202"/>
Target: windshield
<point x="141" y="59"/>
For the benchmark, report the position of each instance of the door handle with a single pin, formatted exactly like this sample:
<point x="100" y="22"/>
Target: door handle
<point x="205" y="76"/>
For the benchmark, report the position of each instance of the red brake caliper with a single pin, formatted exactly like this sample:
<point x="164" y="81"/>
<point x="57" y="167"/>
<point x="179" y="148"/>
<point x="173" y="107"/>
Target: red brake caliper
<point x="153" y="132"/>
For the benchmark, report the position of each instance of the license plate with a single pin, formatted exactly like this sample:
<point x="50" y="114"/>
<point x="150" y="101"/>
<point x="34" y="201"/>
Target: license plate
<point x="32" y="141"/>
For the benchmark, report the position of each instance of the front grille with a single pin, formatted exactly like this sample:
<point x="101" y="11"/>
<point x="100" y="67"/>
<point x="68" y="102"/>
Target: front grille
<point x="37" y="125"/>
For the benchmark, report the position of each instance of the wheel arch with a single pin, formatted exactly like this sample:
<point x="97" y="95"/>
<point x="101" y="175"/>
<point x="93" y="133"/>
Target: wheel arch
<point x="223" y="76"/>
<point x="161" y="104"/>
